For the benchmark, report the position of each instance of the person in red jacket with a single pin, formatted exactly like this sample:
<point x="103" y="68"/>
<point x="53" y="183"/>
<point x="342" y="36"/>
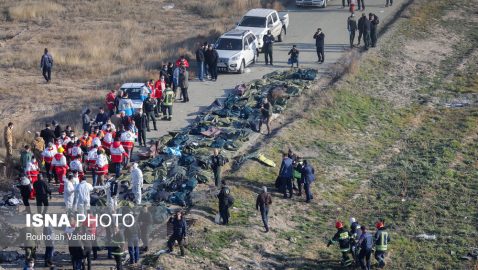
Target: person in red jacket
<point x="181" y="60"/>
<point x="32" y="172"/>
<point x="117" y="154"/>
<point x="60" y="167"/>
<point x="127" y="141"/>
<point x="110" y="102"/>
<point x="159" y="88"/>
<point x="47" y="156"/>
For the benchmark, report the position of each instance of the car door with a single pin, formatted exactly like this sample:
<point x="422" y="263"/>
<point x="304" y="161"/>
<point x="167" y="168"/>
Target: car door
<point x="277" y="24"/>
<point x="247" y="49"/>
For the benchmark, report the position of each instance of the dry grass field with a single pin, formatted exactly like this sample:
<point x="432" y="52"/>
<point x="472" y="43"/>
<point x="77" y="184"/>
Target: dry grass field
<point x="95" y="45"/>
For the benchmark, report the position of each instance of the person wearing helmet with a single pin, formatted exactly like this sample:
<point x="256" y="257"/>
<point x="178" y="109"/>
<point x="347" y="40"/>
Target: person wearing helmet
<point x="354" y="236"/>
<point x="343" y="238"/>
<point x="225" y="201"/>
<point x="381" y="239"/>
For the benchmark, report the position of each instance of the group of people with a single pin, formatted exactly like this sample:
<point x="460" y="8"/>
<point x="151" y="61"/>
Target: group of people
<point x="360" y="243"/>
<point x="206" y="59"/>
<point x="367" y="28"/>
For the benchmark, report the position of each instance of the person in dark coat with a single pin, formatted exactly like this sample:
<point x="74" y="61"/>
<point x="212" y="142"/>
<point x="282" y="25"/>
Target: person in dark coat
<point x="360" y="26"/>
<point x="141" y="123"/>
<point x="145" y="223"/>
<point x="225" y="202"/>
<point x="365" y="243"/>
<point x="86" y="121"/>
<point x="217" y="161"/>
<point x="169" y="78"/>
<point x="179" y="232"/>
<point x="266" y="115"/>
<point x="366" y="31"/>
<point x="75" y="247"/>
<point x="42" y="191"/>
<point x="25" y="191"/>
<point x="263" y="201"/>
<point x="352" y="27"/>
<point x="58" y="128"/>
<point x="48" y="134"/>
<point x="319" y="44"/>
<point x="211" y="58"/>
<point x="286" y="175"/>
<point x="200" y="62"/>
<point x="101" y="118"/>
<point x="373" y="28"/>
<point x="132" y="235"/>
<point x="268" y="40"/>
<point x="149" y="106"/>
<point x="117" y="247"/>
<point x="361" y="5"/>
<point x="184" y="82"/>
<point x="308" y="177"/>
<point x="46" y="64"/>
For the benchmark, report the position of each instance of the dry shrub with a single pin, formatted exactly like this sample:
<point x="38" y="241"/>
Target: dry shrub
<point x="221" y="8"/>
<point x="34" y="9"/>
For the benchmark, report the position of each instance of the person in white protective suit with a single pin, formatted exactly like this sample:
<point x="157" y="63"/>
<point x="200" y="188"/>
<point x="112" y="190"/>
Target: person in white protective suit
<point x="69" y="192"/>
<point x="81" y="202"/>
<point x="136" y="182"/>
<point x="111" y="189"/>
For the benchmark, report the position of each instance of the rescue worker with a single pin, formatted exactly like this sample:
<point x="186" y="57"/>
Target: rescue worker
<point x="91" y="162"/>
<point x="365" y="243"/>
<point x="157" y="96"/>
<point x="127" y="141"/>
<point x="354" y="237"/>
<point x="25" y="188"/>
<point x="179" y="232"/>
<point x="32" y="172"/>
<point x="217" y="161"/>
<point x="352" y="28"/>
<point x="381" y="239"/>
<point x="319" y="44"/>
<point x="77" y="166"/>
<point x="108" y="137"/>
<point x="69" y="194"/>
<point x="145" y="223"/>
<point x="42" y="191"/>
<point x="266" y="115"/>
<point x="308" y="176"/>
<point x="136" y="182"/>
<point x="149" y="108"/>
<point x="101" y="167"/>
<point x="225" y="202"/>
<point x="111" y="189"/>
<point x="286" y="175"/>
<point x="117" y="247"/>
<point x="81" y="202"/>
<point x="38" y="146"/>
<point x="343" y="238"/>
<point x="168" y="104"/>
<point x="60" y="167"/>
<point x="268" y="40"/>
<point x="85" y="142"/>
<point x="263" y="201"/>
<point x="117" y="154"/>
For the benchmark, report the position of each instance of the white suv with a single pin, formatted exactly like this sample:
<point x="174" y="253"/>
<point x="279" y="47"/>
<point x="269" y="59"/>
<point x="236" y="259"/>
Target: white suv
<point x="237" y="49"/>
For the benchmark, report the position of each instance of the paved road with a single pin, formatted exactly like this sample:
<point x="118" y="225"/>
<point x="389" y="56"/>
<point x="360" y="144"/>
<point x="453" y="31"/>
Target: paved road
<point x="303" y="23"/>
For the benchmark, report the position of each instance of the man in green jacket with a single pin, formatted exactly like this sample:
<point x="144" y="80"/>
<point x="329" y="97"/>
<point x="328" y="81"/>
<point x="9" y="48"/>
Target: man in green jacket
<point x="168" y="104"/>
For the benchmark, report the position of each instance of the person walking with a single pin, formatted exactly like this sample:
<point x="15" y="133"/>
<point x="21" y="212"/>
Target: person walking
<point x="25" y="157"/>
<point x="38" y="145"/>
<point x="117" y="247"/>
<point x="217" y="161"/>
<point x="360" y="5"/>
<point x="366" y="31"/>
<point x="69" y="194"/>
<point x="25" y="188"/>
<point x="42" y="192"/>
<point x="212" y="57"/>
<point x="136" y="182"/>
<point x="184" y="82"/>
<point x="8" y="140"/>
<point x="360" y="27"/>
<point x="268" y="40"/>
<point x="286" y="175"/>
<point x="48" y="134"/>
<point x="388" y="3"/>
<point x="373" y="28"/>
<point x="308" y="176"/>
<point x="46" y="64"/>
<point x="49" y="246"/>
<point x="352" y="28"/>
<point x="168" y="104"/>
<point x="381" y="239"/>
<point x="150" y="105"/>
<point x="132" y="238"/>
<point x="200" y="62"/>
<point x="110" y="102"/>
<point x="365" y="242"/>
<point x="294" y="56"/>
<point x="343" y="238"/>
<point x="145" y="222"/>
<point x="179" y="232"/>
<point x="266" y="115"/>
<point x="141" y="123"/>
<point x="32" y="171"/>
<point x="263" y="201"/>
<point x="117" y="155"/>
<point x="225" y="202"/>
<point x="319" y="44"/>
<point x="59" y="166"/>
<point x="81" y="203"/>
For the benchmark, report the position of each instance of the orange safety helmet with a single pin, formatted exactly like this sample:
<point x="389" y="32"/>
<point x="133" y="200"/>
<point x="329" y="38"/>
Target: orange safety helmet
<point x="339" y="225"/>
<point x="379" y="225"/>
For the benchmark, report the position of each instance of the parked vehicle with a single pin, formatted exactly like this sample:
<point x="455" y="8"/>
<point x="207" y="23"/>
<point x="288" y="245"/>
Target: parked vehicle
<point x="260" y="20"/>
<point x="137" y="92"/>
<point x="311" y="3"/>
<point x="236" y="49"/>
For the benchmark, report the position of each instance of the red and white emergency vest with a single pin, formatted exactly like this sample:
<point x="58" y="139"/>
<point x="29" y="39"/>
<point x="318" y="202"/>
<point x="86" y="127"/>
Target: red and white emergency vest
<point x="75" y="165"/>
<point x="76" y="152"/>
<point x="48" y="154"/>
<point x="102" y="164"/>
<point x="127" y="140"/>
<point x="108" y="139"/>
<point x="32" y="171"/>
<point x="59" y="160"/>
<point x="64" y="141"/>
<point x="117" y="152"/>
<point x="91" y="158"/>
<point x="96" y="141"/>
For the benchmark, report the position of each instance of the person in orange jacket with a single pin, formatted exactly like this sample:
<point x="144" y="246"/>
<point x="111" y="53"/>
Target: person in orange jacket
<point x="60" y="167"/>
<point x="85" y="142"/>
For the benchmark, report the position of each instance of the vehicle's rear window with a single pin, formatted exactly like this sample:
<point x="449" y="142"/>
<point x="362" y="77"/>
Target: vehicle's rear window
<point x="249" y="21"/>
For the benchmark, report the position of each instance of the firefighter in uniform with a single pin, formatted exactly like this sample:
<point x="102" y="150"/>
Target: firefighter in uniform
<point x="381" y="240"/>
<point x="342" y="236"/>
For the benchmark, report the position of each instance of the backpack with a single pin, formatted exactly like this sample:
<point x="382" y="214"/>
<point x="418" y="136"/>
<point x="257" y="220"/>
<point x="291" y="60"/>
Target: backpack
<point x="114" y="188"/>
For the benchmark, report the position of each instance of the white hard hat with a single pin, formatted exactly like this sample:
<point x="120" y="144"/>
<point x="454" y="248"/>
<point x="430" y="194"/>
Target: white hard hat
<point x="352" y="220"/>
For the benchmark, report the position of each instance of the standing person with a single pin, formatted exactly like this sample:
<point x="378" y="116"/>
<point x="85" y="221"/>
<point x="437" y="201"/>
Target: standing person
<point x="294" y="56"/>
<point x="38" y="145"/>
<point x="126" y="105"/>
<point x="263" y="201"/>
<point x="381" y="239"/>
<point x="352" y="28"/>
<point x="48" y="134"/>
<point x="343" y="3"/>
<point x="101" y="118"/>
<point x="111" y="190"/>
<point x="266" y="115"/>
<point x="127" y="141"/>
<point x="86" y="121"/>
<point x="212" y="57"/>
<point x="200" y="62"/>
<point x="141" y="122"/>
<point x="81" y="203"/>
<point x="150" y="105"/>
<point x="8" y="140"/>
<point x="308" y="176"/>
<point x="91" y="162"/>
<point x="42" y="192"/>
<point x="110" y="102"/>
<point x="157" y="95"/>
<point x="69" y="195"/>
<point x="75" y="248"/>
<point x="365" y="243"/>
<point x="49" y="246"/>
<point x="206" y="66"/>
<point x="268" y="40"/>
<point x="179" y="232"/>
<point x="286" y="175"/>
<point x="132" y="238"/>
<point x="373" y="28"/>
<point x="58" y="128"/>
<point x="60" y="167"/>
<point x="367" y="26"/>
<point x="388" y="3"/>
<point x="145" y="222"/>
<point x="360" y="27"/>
<point x="184" y="82"/>
<point x="361" y="4"/>
<point x="136" y="182"/>
<point x="46" y="64"/>
<point x="225" y="202"/>
<point x="297" y="173"/>
<point x="170" y="71"/>
<point x="343" y="238"/>
<point x="25" y="188"/>
<point x="101" y="167"/>
<point x="25" y="157"/>
<point x="117" y="155"/>
<point x="319" y="44"/>
<point x="176" y="72"/>
<point x="217" y="161"/>
<point x="117" y="247"/>
<point x="168" y="104"/>
<point x="32" y="172"/>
